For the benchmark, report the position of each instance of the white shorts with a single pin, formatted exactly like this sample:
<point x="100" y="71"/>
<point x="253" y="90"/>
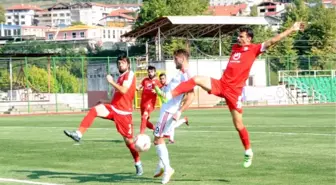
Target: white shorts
<point x="165" y="126"/>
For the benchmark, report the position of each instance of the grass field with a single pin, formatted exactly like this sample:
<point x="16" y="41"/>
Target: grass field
<point x="292" y="145"/>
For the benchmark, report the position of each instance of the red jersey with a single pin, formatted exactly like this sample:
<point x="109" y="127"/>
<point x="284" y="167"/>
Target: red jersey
<point x="238" y="69"/>
<point x="124" y="102"/>
<point x="148" y="95"/>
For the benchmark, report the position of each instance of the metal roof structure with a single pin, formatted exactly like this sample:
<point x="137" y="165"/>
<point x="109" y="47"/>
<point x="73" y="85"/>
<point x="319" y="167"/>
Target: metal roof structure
<point x="197" y="26"/>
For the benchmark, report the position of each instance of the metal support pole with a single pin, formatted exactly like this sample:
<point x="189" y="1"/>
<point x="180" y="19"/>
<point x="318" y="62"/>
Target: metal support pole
<point x="11" y="78"/>
<point x="220" y="42"/>
<point x="147" y="54"/>
<point x="159" y="36"/>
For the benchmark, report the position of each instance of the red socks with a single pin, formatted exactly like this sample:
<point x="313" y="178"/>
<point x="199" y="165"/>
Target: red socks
<point x="145" y="123"/>
<point x="134" y="153"/>
<point x="88" y="120"/>
<point x="244" y="137"/>
<point x="184" y="87"/>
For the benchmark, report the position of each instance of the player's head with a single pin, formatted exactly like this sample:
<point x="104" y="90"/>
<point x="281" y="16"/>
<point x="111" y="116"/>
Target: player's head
<point x="245" y="36"/>
<point x="151" y="70"/>
<point x="181" y="56"/>
<point x="162" y="78"/>
<point x="123" y="63"/>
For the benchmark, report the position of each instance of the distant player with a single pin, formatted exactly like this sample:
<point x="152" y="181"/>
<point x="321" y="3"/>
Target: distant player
<point x="148" y="98"/>
<point x="231" y="84"/>
<point x="163" y="80"/>
<point x="119" y="111"/>
<point x="169" y="114"/>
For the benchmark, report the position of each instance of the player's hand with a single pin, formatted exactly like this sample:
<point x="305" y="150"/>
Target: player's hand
<point x="298" y="26"/>
<point x="109" y="78"/>
<point x="153" y="91"/>
<point x="177" y="115"/>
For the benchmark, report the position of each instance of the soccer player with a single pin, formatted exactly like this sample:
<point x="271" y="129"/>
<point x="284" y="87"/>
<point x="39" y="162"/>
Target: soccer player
<point x="231" y="84"/>
<point x="163" y="80"/>
<point x="119" y="110"/>
<point x="169" y="114"/>
<point x="148" y="98"/>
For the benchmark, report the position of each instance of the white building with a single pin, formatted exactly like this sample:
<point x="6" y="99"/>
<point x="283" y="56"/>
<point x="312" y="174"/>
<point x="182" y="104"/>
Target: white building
<point x="271" y="9"/>
<point x="21" y="15"/>
<point x="55" y="16"/>
<point x="88" y="13"/>
<point x="232" y="2"/>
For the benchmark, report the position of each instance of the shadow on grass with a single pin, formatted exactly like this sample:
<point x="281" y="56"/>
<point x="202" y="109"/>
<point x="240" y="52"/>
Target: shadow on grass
<point x="105" y="177"/>
<point x="87" y="177"/>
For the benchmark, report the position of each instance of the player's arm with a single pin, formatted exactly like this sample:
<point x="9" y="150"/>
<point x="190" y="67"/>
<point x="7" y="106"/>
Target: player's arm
<point x="187" y="100"/>
<point x="121" y="88"/>
<point x="297" y="26"/>
<point x="139" y="88"/>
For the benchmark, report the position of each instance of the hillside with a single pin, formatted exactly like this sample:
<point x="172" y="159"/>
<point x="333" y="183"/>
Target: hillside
<point x="47" y="3"/>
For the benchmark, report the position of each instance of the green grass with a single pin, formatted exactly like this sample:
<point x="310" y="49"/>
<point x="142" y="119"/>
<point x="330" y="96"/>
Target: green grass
<point x="292" y="145"/>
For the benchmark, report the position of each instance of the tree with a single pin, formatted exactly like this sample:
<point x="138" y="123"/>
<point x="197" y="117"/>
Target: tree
<point x="77" y="23"/>
<point x="150" y="10"/>
<point x="254" y="11"/>
<point x="67" y="82"/>
<point x="2" y="14"/>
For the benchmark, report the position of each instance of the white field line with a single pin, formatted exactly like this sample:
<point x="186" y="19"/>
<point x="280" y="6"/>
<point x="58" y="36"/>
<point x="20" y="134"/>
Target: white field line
<point x="197" y="131"/>
<point x="25" y="181"/>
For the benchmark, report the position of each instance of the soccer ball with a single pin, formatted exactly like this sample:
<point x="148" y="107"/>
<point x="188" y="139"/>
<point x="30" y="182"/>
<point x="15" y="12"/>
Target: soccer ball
<point x="142" y="143"/>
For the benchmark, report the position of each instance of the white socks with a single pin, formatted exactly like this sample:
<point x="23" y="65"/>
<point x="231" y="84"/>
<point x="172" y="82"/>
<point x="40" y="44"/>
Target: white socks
<point x="248" y="152"/>
<point x="79" y="134"/>
<point x="162" y="152"/>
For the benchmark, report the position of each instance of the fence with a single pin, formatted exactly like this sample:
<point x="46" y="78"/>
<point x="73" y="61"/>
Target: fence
<point x="71" y="84"/>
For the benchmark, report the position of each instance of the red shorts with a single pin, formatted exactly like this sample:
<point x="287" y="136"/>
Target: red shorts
<point x="123" y="123"/>
<point x="148" y="107"/>
<point x="233" y="100"/>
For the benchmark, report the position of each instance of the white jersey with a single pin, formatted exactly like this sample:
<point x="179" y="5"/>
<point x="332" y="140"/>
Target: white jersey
<point x="173" y="105"/>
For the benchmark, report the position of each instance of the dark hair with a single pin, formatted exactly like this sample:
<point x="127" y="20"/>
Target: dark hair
<point x="124" y="58"/>
<point x="151" y="68"/>
<point x="248" y="31"/>
<point x="183" y="52"/>
<point x="162" y="74"/>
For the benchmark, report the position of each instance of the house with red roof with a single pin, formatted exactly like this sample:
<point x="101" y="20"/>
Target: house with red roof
<point x="230" y="10"/>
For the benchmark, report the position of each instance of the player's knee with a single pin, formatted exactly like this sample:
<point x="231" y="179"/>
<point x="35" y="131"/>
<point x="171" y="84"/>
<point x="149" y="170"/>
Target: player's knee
<point x="197" y="79"/>
<point x="128" y="141"/>
<point x="101" y="110"/>
<point x="158" y="140"/>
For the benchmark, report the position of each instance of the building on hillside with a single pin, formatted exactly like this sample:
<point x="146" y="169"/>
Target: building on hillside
<point x="55" y="16"/>
<point x="21" y="14"/>
<point x="329" y="3"/>
<point x="129" y="7"/>
<point x="233" y="2"/>
<point x="118" y="18"/>
<point x="230" y="10"/>
<point x="88" y="13"/>
<point x="272" y="9"/>
<point x="18" y="33"/>
<point x="78" y="32"/>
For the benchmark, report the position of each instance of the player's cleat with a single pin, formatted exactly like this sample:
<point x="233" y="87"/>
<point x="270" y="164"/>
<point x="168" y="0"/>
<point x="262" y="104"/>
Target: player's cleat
<point x="167" y="175"/>
<point x="73" y="135"/>
<point x="139" y="169"/>
<point x="186" y="121"/>
<point x="248" y="160"/>
<point x="158" y="172"/>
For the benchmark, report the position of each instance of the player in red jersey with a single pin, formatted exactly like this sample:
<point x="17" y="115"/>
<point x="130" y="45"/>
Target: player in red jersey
<point x="231" y="84"/>
<point x="119" y="110"/>
<point x="148" y="98"/>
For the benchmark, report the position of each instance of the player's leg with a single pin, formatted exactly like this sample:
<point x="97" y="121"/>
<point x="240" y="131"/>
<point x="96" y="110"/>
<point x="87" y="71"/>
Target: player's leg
<point x="145" y="111"/>
<point x="175" y="125"/>
<point x="124" y="126"/>
<point x="100" y="110"/>
<point x="203" y="81"/>
<point x="235" y="107"/>
<point x="162" y="129"/>
<point x="149" y="110"/>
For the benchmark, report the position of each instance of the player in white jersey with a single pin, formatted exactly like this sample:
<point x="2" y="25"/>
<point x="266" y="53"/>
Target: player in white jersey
<point x="169" y="114"/>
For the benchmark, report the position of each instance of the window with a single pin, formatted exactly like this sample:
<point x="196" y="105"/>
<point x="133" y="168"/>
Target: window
<point x="9" y="17"/>
<point x="9" y="23"/>
<point x="22" y="16"/>
<point x="50" y="36"/>
<point x="109" y="34"/>
<point x="23" y="23"/>
<point x="65" y="36"/>
<point x="104" y="34"/>
<point x="14" y="32"/>
<point x="73" y="35"/>
<point x="62" y="14"/>
<point x="68" y="14"/>
<point x="54" y="15"/>
<point x="82" y="35"/>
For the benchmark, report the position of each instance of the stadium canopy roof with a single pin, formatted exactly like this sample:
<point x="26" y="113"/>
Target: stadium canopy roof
<point x="195" y="26"/>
